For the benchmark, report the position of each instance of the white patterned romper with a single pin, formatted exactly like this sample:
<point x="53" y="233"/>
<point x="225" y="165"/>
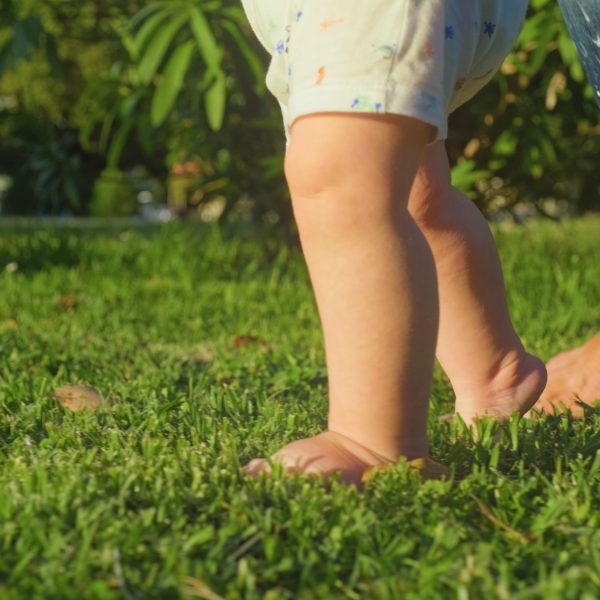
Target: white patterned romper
<point x="418" y="58"/>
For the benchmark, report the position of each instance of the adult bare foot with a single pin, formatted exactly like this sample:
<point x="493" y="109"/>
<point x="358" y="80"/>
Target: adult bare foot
<point x="573" y="378"/>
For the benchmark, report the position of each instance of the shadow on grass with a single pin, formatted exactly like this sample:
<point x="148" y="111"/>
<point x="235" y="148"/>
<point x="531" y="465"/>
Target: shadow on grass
<point x="32" y="245"/>
<point x="519" y="446"/>
<point x="37" y="244"/>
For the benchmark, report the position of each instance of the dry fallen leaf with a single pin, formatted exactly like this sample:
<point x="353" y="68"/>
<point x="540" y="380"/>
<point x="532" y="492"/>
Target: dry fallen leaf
<point x="154" y="281"/>
<point x="79" y="397"/>
<point x="239" y="341"/>
<point x="11" y="324"/>
<point x="68" y="302"/>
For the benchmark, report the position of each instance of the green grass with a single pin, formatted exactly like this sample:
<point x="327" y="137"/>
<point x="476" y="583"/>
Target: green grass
<point x="145" y="498"/>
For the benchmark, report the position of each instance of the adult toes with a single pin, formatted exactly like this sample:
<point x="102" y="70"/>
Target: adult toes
<point x="256" y="466"/>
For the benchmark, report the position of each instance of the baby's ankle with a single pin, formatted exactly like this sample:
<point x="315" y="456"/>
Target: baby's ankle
<point x="379" y="450"/>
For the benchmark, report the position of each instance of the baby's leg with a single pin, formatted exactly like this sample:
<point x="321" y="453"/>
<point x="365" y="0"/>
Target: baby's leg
<point x="477" y="346"/>
<point x="374" y="279"/>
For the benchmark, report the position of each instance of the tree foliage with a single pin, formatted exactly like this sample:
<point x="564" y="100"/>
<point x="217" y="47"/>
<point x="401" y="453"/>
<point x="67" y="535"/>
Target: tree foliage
<point x="156" y="83"/>
<point x="531" y="136"/>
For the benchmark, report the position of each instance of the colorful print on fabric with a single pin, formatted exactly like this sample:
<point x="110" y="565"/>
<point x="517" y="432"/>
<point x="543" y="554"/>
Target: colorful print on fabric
<point x="320" y="75"/>
<point x="387" y="51"/>
<point x="428" y="101"/>
<point x="489" y="28"/>
<point x="365" y="104"/>
<point x="326" y="24"/>
<point x="427" y="51"/>
<point x="421" y="58"/>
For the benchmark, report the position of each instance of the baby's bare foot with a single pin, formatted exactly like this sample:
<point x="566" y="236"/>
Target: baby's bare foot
<point x="573" y="378"/>
<point x="323" y="454"/>
<point x="515" y="386"/>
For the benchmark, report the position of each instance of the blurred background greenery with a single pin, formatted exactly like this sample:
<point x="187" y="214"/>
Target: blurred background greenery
<point x="113" y="108"/>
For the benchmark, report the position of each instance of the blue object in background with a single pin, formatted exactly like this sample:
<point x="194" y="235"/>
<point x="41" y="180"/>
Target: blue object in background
<point x="583" y="21"/>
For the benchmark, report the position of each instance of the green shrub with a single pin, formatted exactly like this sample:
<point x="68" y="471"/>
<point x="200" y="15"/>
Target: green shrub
<point x="159" y="83"/>
<point x="532" y="134"/>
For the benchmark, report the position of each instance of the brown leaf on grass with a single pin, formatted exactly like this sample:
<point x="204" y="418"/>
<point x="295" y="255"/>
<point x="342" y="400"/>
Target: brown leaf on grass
<point x="239" y="341"/>
<point x="68" y="302"/>
<point x="154" y="281"/>
<point x="79" y="397"/>
<point x="10" y="324"/>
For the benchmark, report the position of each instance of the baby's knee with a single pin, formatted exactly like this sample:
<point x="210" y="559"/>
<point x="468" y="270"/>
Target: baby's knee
<point x="373" y="154"/>
<point x="431" y="188"/>
<point x="318" y="162"/>
<point x="351" y="174"/>
<point x="332" y="188"/>
<point x="324" y="199"/>
<point x="311" y="169"/>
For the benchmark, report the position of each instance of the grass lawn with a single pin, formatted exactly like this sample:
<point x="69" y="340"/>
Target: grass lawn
<point x="207" y="349"/>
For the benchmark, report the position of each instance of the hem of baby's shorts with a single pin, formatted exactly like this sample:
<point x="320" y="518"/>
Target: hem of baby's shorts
<point x="328" y="99"/>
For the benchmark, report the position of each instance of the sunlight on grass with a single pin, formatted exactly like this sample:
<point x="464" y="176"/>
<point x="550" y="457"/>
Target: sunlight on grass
<point x="207" y="349"/>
